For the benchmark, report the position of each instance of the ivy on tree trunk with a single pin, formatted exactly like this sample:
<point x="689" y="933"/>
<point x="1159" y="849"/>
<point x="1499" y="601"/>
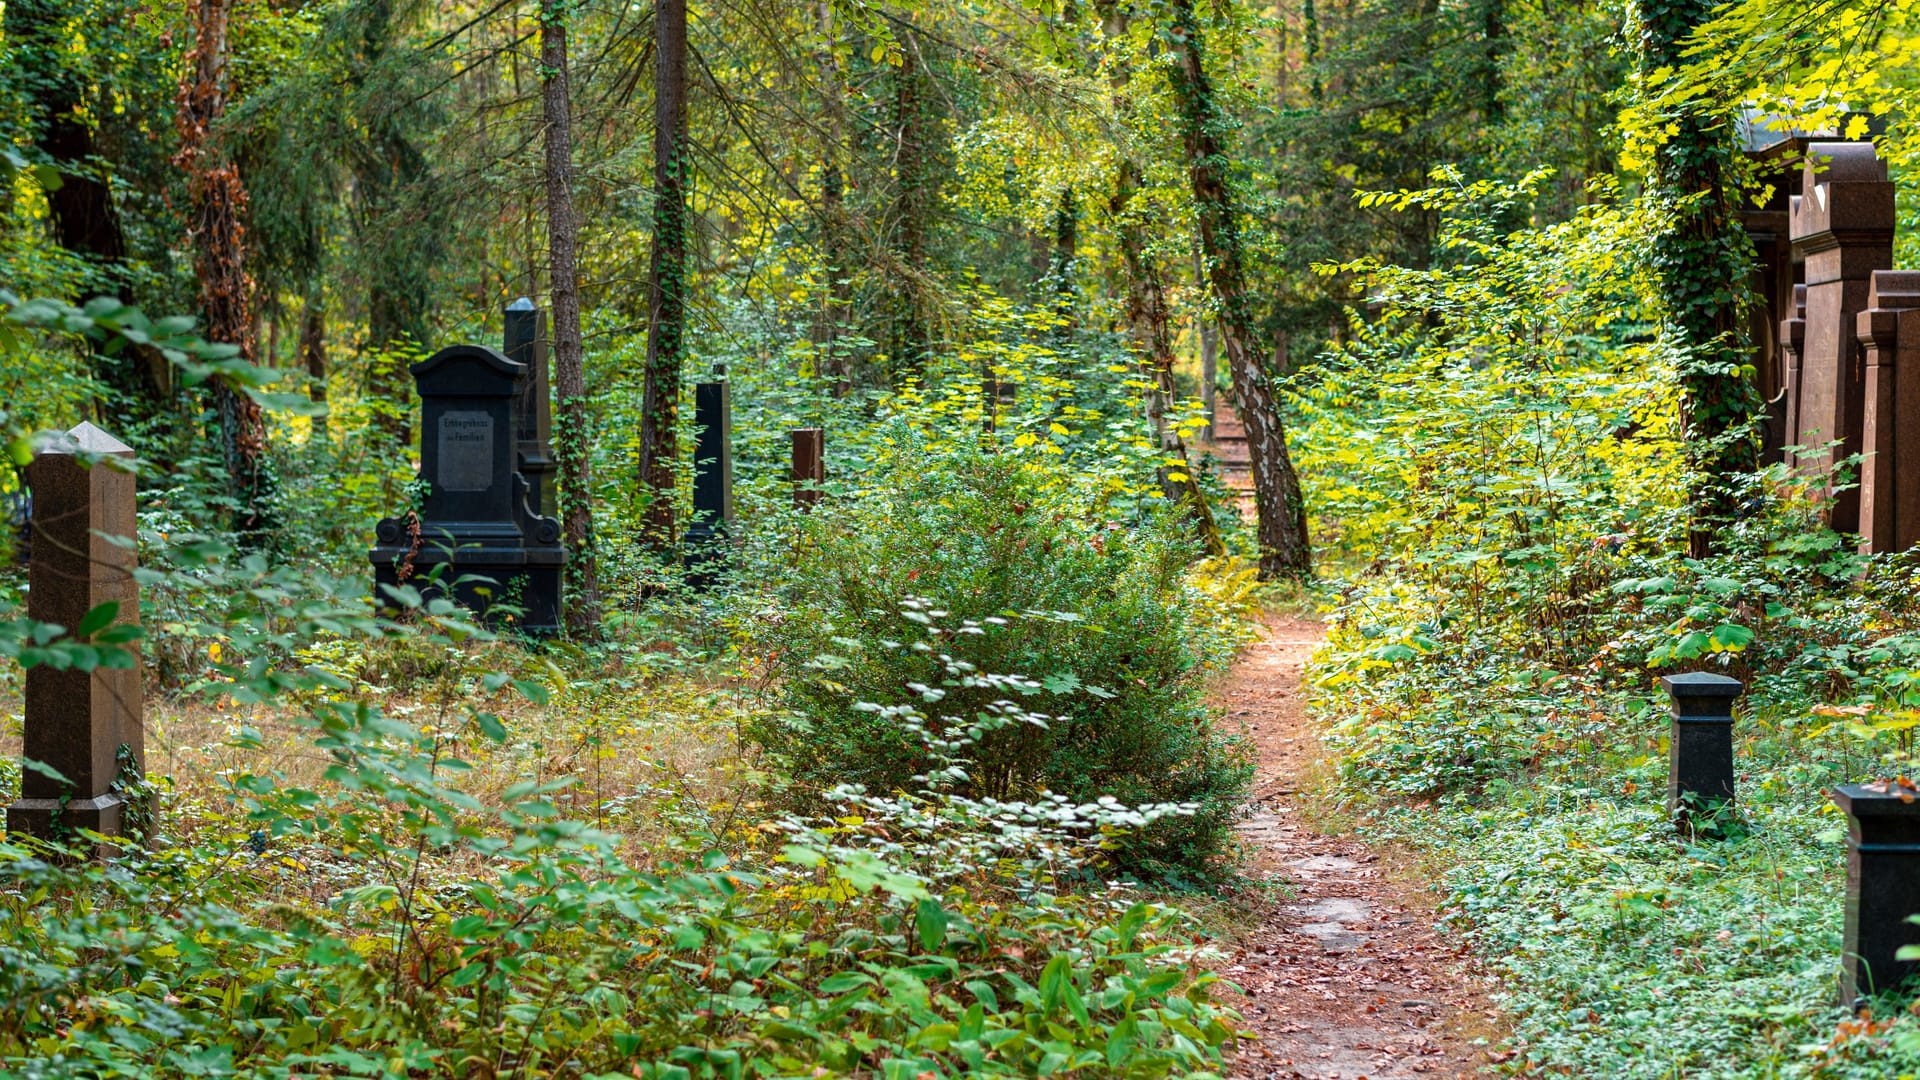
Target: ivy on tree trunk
<point x="667" y="277"/>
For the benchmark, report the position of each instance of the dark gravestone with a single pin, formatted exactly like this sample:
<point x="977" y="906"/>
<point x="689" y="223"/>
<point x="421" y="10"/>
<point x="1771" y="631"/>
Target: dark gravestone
<point x="1889" y="332"/>
<point x="1700" y="747"/>
<point x="1842" y="227"/>
<point x="80" y="724"/>
<point x="809" y="465"/>
<point x="475" y="520"/>
<point x="706" y="539"/>
<point x="1883" y="887"/>
<point x="526" y="344"/>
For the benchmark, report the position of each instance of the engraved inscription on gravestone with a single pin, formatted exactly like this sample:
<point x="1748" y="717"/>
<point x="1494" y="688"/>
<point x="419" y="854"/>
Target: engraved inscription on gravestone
<point x="466" y="451"/>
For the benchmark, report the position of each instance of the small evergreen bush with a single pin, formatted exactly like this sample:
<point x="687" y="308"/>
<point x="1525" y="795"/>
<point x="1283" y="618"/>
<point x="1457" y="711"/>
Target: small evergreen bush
<point x="1007" y="568"/>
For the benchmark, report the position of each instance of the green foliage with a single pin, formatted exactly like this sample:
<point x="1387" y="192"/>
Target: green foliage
<point x="1056" y="641"/>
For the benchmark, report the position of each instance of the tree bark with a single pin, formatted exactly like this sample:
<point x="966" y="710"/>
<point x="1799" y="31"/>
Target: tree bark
<point x="1703" y="259"/>
<point x="667" y="278"/>
<point x="571" y="434"/>
<point x="1284" y="547"/>
<point x="219" y="203"/>
<point x="910" y="336"/>
<point x="836" y="246"/>
<point x="1147" y="317"/>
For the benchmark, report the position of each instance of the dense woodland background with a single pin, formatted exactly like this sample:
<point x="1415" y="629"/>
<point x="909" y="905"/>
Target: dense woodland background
<point x="931" y="783"/>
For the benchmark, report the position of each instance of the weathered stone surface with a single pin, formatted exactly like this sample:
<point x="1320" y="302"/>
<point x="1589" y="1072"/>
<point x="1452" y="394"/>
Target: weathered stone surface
<point x="78" y="722"/>
<point x="809" y="465"/>
<point x="1889" y="336"/>
<point x="476" y="519"/>
<point x="1842" y="227"/>
<point x="1700" y="747"/>
<point x="1883" y="887"/>
<point x="1793" y="336"/>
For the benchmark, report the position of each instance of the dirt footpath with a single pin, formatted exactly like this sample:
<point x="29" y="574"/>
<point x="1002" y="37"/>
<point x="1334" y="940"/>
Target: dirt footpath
<point x="1345" y="977"/>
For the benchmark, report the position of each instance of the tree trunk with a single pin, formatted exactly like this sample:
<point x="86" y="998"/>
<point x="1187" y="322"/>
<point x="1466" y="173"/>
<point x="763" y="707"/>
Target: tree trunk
<point x="911" y="339"/>
<point x="1061" y="264"/>
<point x="836" y="247"/>
<point x="1703" y="258"/>
<point x="667" y="280"/>
<point x="219" y="203"/>
<point x="81" y="208"/>
<point x="1147" y="319"/>
<point x="313" y="354"/>
<point x="1284" y="548"/>
<point x="571" y="434"/>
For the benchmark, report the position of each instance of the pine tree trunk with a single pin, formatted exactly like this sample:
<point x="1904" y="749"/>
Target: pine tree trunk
<point x="667" y="281"/>
<point x="571" y="429"/>
<point x="313" y="354"/>
<point x="1284" y="548"/>
<point x="219" y="204"/>
<point x="912" y="204"/>
<point x="1703" y="258"/>
<point x="1148" y="321"/>
<point x="836" y="245"/>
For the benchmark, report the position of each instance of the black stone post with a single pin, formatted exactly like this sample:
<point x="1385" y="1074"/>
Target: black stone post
<point x="525" y="343"/>
<point x="809" y="465"/>
<point x="1700" y="751"/>
<point x="712" y="484"/>
<point x="1883" y="887"/>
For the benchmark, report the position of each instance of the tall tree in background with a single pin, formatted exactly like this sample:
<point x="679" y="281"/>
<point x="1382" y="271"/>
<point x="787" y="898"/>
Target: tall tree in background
<point x="1147" y="316"/>
<point x="914" y="197"/>
<point x="1703" y="258"/>
<point x="219" y="246"/>
<point x="667" y="275"/>
<point x="1284" y="548"/>
<point x="40" y="39"/>
<point x="571" y="450"/>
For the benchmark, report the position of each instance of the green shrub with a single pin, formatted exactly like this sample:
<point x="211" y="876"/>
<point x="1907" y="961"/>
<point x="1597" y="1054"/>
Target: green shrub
<point x="992" y="584"/>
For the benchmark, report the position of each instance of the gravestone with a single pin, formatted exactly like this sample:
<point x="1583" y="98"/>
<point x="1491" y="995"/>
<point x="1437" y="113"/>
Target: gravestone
<point x="1699" y="745"/>
<point x="706" y="539"/>
<point x="809" y="465"/>
<point x="525" y="343"/>
<point x="476" y="520"/>
<point x="84" y="725"/>
<point x="1842" y="226"/>
<point x="1889" y="333"/>
<point x="1793" y="337"/>
<point x="1883" y="887"/>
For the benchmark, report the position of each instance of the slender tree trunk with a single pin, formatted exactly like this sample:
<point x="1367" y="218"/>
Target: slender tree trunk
<point x="1703" y="258"/>
<point x="1147" y="317"/>
<point x="836" y="246"/>
<point x="912" y="205"/>
<point x="1284" y="548"/>
<point x="80" y="206"/>
<point x="313" y="354"/>
<point x="1061" y="265"/>
<point x="217" y="237"/>
<point x="571" y="434"/>
<point x="667" y="283"/>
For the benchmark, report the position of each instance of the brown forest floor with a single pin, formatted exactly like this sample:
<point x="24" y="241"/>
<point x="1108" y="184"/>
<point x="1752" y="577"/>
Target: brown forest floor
<point x="1345" y="974"/>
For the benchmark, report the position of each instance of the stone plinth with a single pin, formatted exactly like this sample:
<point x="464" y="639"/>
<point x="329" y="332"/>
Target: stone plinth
<point x="1889" y="335"/>
<point x="1842" y="227"/>
<point x="476" y="520"/>
<point x="78" y="723"/>
<point x="1883" y="887"/>
<point x="525" y="343"/>
<point x="809" y="465"/>
<point x="1700" y="747"/>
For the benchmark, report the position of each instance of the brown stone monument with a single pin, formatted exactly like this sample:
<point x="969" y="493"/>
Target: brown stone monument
<point x="1842" y="226"/>
<point x="809" y="465"/>
<point x="1889" y="332"/>
<point x="77" y="721"/>
<point x="1793" y="340"/>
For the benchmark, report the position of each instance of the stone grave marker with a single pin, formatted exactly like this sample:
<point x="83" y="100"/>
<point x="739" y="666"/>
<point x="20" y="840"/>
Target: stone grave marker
<point x="809" y="465"/>
<point x="476" y="518"/>
<point x="84" y="725"/>
<point x="706" y="539"/>
<point x="525" y="343"/>
<point x="1842" y="226"/>
<point x="1889" y="333"/>
<point x="1883" y="887"/>
<point x="1700" y="744"/>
